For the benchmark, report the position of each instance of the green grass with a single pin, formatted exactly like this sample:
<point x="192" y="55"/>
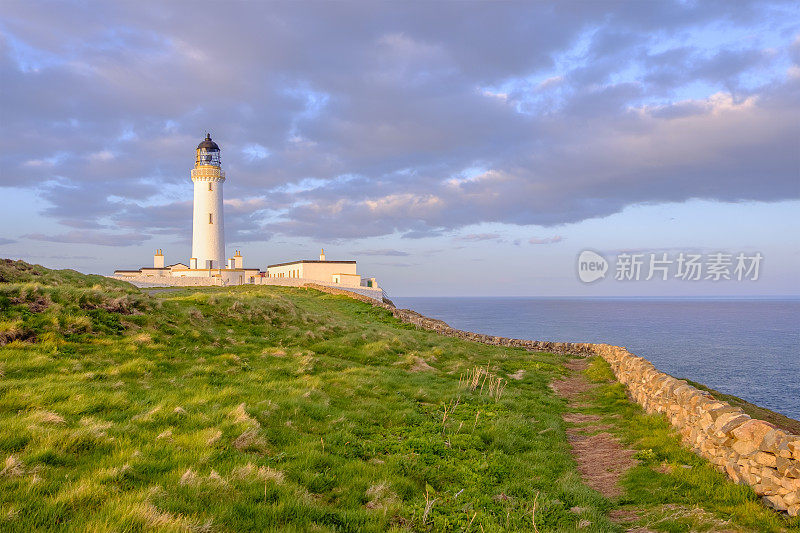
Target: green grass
<point x="271" y="408"/>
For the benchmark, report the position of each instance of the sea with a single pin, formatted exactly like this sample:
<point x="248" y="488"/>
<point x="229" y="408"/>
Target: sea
<point x="746" y="347"/>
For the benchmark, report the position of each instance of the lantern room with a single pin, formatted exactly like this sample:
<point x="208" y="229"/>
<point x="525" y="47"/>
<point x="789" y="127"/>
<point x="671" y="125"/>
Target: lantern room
<point x="208" y="153"/>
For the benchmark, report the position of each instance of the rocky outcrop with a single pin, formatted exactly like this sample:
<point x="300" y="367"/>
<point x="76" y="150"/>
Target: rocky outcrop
<point x="748" y="450"/>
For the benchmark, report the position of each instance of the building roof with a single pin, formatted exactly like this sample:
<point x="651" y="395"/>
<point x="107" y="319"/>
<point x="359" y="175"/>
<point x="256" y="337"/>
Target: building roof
<point x="220" y="269"/>
<point x="208" y="144"/>
<point x="245" y="269"/>
<point x="310" y="261"/>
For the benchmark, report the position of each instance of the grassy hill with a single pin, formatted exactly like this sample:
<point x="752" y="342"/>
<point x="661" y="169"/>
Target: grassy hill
<point x="272" y="408"/>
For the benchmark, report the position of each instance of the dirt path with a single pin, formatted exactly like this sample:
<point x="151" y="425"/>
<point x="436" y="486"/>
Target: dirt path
<point x="601" y="459"/>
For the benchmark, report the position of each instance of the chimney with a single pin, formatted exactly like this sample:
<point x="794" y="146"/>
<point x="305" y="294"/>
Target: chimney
<point x="322" y="254"/>
<point x="238" y="260"/>
<point x="158" y="259"/>
<point x="231" y="263"/>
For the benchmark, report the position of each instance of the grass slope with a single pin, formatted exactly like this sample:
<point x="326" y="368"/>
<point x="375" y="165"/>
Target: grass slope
<point x="271" y="408"/>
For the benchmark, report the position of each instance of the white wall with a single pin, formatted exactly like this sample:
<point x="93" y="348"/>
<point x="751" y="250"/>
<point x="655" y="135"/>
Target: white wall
<point x="350" y="280"/>
<point x="312" y="271"/>
<point x="141" y="281"/>
<point x="208" y="239"/>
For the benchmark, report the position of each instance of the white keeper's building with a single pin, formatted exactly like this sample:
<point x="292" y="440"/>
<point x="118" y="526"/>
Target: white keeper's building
<point x="208" y="264"/>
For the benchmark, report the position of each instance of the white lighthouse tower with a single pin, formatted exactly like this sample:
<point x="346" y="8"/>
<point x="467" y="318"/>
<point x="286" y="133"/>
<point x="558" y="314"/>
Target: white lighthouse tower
<point x="208" y="229"/>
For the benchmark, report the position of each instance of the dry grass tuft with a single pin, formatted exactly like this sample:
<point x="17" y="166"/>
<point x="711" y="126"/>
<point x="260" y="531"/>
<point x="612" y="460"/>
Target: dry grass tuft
<point x="305" y="364"/>
<point x="419" y="365"/>
<point x="214" y="477"/>
<point x="250" y="441"/>
<point x="262" y="473"/>
<point x="266" y="473"/>
<point x="240" y="416"/>
<point x="148" y="415"/>
<point x="380" y="497"/>
<point x="415" y="363"/>
<point x="166" y="434"/>
<point x="483" y="380"/>
<point x="13" y="467"/>
<point x="48" y="417"/>
<point x="214" y="437"/>
<point x="142" y="338"/>
<point x="518" y="375"/>
<point x="95" y="427"/>
<point x="162" y="520"/>
<point x="696" y="515"/>
<point x="429" y="502"/>
<point x="81" y="493"/>
<point x="189" y="478"/>
<point x="10" y="515"/>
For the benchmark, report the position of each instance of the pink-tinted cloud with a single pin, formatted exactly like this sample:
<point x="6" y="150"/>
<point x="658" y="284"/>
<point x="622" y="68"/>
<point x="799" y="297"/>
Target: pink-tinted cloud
<point x="547" y="240"/>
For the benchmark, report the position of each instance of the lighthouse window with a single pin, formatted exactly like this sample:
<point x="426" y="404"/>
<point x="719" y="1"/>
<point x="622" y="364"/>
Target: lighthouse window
<point x="210" y="218"/>
<point x="209" y="186"/>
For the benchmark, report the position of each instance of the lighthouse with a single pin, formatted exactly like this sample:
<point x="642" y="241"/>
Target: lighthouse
<point x="207" y="266"/>
<point x="208" y="228"/>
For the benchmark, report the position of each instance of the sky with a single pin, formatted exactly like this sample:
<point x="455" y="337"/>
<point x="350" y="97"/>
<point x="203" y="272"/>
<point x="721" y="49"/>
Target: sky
<point x="452" y="148"/>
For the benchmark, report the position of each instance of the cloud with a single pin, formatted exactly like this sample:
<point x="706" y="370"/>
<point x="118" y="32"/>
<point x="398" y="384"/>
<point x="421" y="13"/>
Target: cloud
<point x="475" y="237"/>
<point x="255" y="151"/>
<point x="92" y="237"/>
<point x="547" y="240"/>
<point x="398" y="265"/>
<point x="59" y="256"/>
<point x="370" y="120"/>
<point x="382" y="251"/>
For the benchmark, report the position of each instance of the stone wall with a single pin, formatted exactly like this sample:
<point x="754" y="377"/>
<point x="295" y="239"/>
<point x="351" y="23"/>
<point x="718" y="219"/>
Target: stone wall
<point x="748" y="450"/>
<point x="365" y="294"/>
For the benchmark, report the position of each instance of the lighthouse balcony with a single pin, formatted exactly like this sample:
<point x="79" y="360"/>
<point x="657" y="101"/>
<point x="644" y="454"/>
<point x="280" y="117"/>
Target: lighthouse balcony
<point x="209" y="173"/>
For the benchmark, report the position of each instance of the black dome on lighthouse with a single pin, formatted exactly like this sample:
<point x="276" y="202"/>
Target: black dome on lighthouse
<point x="208" y="144"/>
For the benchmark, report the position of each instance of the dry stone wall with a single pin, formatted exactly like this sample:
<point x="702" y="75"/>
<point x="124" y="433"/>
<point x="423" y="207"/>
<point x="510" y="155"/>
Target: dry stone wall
<point x="372" y="295"/>
<point x="748" y="450"/>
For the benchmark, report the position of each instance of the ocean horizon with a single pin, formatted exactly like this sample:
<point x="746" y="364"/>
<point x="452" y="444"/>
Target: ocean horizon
<point x="742" y="345"/>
